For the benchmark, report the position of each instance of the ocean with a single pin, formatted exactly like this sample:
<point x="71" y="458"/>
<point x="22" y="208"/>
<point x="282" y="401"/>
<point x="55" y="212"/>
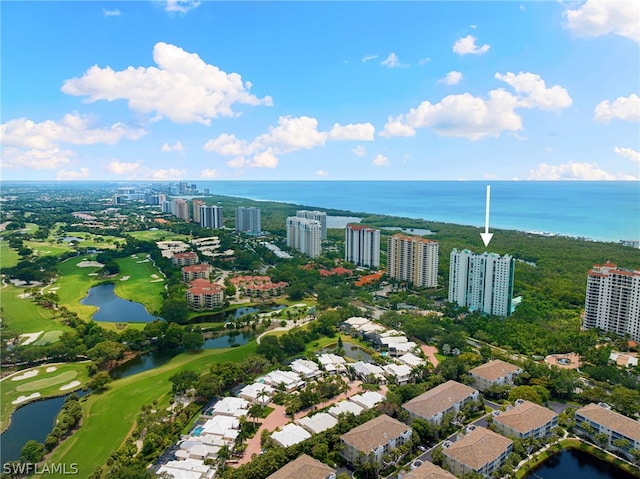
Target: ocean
<point x="596" y="210"/>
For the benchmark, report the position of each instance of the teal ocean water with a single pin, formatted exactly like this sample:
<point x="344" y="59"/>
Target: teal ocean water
<point x="600" y="211"/>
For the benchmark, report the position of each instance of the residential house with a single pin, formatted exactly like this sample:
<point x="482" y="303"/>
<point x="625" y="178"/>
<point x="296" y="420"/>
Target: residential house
<point x="304" y="467"/>
<point x="318" y="422"/>
<point x="525" y="420"/>
<point x="481" y="450"/>
<point x="399" y="373"/>
<point x="367" y="399"/>
<point x="257" y="393"/>
<point x="345" y="407"/>
<point x="433" y="404"/>
<point x="306" y="369"/>
<point x="332" y="363"/>
<point x="289" y="435"/>
<point x="494" y="373"/>
<point x="370" y="441"/>
<point x="288" y="380"/>
<point x="365" y="370"/>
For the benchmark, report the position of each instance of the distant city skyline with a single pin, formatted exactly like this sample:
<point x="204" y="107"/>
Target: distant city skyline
<point x="204" y="90"/>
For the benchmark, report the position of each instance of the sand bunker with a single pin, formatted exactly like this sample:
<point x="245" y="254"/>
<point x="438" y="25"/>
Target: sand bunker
<point x="54" y="289"/>
<point x="24" y="295"/>
<point x="70" y="385"/>
<point x="30" y="337"/>
<point x="51" y="369"/>
<point x="27" y="375"/>
<point x="92" y="274"/>
<point x="156" y="280"/>
<point x="154" y="276"/>
<point x="143" y="261"/>
<point x="89" y="264"/>
<point x="124" y="278"/>
<point x="22" y="399"/>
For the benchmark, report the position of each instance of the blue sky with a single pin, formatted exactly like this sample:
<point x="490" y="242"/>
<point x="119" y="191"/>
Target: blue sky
<point x="168" y="90"/>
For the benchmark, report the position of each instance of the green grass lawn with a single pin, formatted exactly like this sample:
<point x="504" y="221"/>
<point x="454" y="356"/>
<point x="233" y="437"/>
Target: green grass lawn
<point x="108" y="417"/>
<point x="74" y="282"/>
<point x="48" y="338"/>
<point x="45" y="383"/>
<point x="158" y="235"/>
<point x="48" y="248"/>
<point x="8" y="256"/>
<point x="142" y="285"/>
<point x="25" y="316"/>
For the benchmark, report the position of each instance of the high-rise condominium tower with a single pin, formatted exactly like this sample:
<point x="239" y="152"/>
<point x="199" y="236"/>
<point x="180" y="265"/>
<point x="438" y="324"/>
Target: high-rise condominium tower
<point x="319" y="216"/>
<point x="304" y="235"/>
<point x="613" y="300"/>
<point x="211" y="217"/>
<point x="413" y="259"/>
<point x="196" y="204"/>
<point x="248" y="219"/>
<point x="362" y="245"/>
<point x="181" y="209"/>
<point x="481" y="282"/>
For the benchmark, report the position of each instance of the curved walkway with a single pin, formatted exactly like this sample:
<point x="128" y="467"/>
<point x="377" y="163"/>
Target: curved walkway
<point x="290" y="325"/>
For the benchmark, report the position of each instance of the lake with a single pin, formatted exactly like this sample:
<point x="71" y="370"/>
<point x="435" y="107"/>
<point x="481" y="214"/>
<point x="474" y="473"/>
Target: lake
<point x="574" y="463"/>
<point x="227" y="341"/>
<point x="351" y="351"/>
<point x="236" y="314"/>
<point x="114" y="309"/>
<point x="31" y="421"/>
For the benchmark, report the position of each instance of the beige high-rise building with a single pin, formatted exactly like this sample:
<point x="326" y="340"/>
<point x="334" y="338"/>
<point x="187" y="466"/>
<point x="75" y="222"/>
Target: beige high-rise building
<point x="182" y="209"/>
<point x="413" y="259"/>
<point x="196" y="204"/>
<point x="613" y="300"/>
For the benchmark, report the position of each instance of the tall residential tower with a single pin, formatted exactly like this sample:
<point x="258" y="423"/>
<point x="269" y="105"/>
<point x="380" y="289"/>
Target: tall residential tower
<point x="319" y="216"/>
<point x="304" y="235"/>
<point x="613" y="300"/>
<point x="413" y="259"/>
<point x="362" y="245"/>
<point x="481" y="282"/>
<point x="248" y="220"/>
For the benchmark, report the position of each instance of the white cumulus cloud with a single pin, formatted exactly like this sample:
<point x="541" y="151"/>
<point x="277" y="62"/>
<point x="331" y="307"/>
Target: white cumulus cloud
<point x="534" y="91"/>
<point x="266" y="159"/>
<point x="291" y="134"/>
<point x="122" y="167"/>
<point x="359" y="151"/>
<point x="571" y="171"/>
<point x="164" y="174"/>
<point x="368" y="58"/>
<point x="167" y="148"/>
<point x="380" y="160"/>
<point x="629" y="153"/>
<point x="321" y="173"/>
<point x="467" y="46"/>
<point x="67" y="175"/>
<point x="602" y="17"/>
<point x="209" y="173"/>
<point x="468" y="116"/>
<point x="111" y="13"/>
<point x="623" y="108"/>
<point x="37" y="159"/>
<point x="392" y="61"/>
<point x="352" y="131"/>
<point x="181" y="6"/>
<point x="73" y="128"/>
<point x="182" y="88"/>
<point x="452" y="78"/>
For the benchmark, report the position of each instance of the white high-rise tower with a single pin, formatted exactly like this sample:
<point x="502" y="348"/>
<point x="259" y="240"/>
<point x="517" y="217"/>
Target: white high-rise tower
<point x="362" y="245"/>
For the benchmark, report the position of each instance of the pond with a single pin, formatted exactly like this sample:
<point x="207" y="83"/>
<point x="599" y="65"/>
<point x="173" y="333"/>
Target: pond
<point x="236" y="314"/>
<point x="113" y="309"/>
<point x="351" y="350"/>
<point x="144" y="362"/>
<point x="574" y="463"/>
<point x="227" y="341"/>
<point x="31" y="421"/>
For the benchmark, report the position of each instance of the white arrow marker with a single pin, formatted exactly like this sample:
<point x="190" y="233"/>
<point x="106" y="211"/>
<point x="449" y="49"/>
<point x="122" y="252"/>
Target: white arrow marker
<point x="486" y="236"/>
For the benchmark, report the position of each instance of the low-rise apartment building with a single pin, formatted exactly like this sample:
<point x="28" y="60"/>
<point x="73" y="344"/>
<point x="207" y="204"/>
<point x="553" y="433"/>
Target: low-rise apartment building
<point x="185" y="259"/>
<point x="594" y="419"/>
<point x="204" y="296"/>
<point x="433" y="404"/>
<point x="196" y="271"/>
<point x="494" y="373"/>
<point x="526" y="419"/>
<point x="304" y="467"/>
<point x="481" y="450"/>
<point x="370" y="441"/>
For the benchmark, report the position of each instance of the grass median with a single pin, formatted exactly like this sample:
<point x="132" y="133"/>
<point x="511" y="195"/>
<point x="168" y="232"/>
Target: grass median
<point x="108" y="417"/>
